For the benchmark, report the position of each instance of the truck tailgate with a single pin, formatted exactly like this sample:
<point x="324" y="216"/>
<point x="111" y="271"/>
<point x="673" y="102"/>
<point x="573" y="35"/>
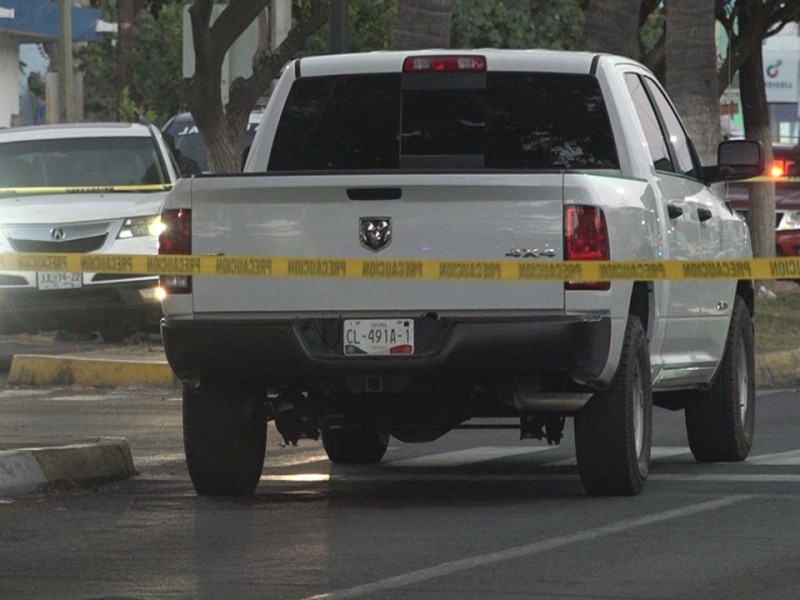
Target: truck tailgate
<point x="437" y="217"/>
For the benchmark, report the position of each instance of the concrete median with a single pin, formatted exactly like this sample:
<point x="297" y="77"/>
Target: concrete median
<point x="90" y="371"/>
<point x="35" y="468"/>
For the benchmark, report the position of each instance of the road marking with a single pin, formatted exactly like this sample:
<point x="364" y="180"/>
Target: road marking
<point x="483" y="560"/>
<point x="778" y="459"/>
<point x="734" y="477"/>
<point x="294" y="459"/>
<point x="656" y="453"/>
<point x="459" y="458"/>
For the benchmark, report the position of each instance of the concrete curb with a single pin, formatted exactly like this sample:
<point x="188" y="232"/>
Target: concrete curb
<point x="34" y="469"/>
<point x="40" y="369"/>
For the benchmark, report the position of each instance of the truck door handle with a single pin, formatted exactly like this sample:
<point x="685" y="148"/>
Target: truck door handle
<point x="703" y="214"/>
<point x="674" y="211"/>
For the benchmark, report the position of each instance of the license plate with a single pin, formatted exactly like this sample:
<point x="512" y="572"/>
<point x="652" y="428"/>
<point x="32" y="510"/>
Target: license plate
<point x="58" y="281"/>
<point x="378" y="337"/>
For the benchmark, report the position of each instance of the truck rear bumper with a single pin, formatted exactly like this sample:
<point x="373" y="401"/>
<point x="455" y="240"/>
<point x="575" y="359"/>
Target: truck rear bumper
<point x="308" y="353"/>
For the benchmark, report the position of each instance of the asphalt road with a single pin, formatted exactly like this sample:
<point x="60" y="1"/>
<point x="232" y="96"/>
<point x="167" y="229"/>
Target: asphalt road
<point x="475" y="515"/>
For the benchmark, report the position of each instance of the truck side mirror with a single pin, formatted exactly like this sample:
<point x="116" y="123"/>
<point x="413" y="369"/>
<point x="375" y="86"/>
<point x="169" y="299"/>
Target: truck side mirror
<point x="736" y="159"/>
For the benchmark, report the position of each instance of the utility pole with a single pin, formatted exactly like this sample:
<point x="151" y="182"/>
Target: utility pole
<point x="124" y="44"/>
<point x="338" y="41"/>
<point x="67" y="69"/>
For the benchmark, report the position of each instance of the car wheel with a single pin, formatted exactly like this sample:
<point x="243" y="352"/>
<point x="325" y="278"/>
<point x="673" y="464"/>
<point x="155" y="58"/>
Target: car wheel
<point x="225" y="437"/>
<point x="720" y="422"/>
<point x="613" y="431"/>
<point x="354" y="445"/>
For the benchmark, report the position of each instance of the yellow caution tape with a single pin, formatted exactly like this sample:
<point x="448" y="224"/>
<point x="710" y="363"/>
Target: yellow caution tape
<point x="771" y="179"/>
<point x="88" y="189"/>
<point x="404" y="269"/>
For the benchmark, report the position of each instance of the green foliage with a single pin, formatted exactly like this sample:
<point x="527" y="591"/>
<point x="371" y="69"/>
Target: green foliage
<point x="371" y="26"/>
<point x="98" y="61"/>
<point x="155" y="67"/>
<point x="128" y="109"/>
<point x="653" y="29"/>
<point x="36" y="84"/>
<point x="517" y="24"/>
<point x="131" y="111"/>
<point x="156" y="64"/>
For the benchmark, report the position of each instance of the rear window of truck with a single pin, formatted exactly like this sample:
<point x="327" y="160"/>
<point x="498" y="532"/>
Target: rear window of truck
<point x="497" y="121"/>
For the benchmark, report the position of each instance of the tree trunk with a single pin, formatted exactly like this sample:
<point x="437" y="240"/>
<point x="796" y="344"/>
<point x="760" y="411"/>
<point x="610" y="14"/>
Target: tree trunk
<point x="691" y="72"/>
<point x="423" y="24"/>
<point x="761" y="212"/>
<point x="221" y="126"/>
<point x="612" y="26"/>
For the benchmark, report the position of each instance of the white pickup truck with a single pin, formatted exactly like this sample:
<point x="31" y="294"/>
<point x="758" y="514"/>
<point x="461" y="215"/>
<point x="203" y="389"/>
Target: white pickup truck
<point x="478" y="160"/>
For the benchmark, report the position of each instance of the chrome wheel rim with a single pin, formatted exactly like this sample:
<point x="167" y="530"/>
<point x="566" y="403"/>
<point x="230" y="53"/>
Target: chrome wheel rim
<point x="638" y="410"/>
<point x="743" y="383"/>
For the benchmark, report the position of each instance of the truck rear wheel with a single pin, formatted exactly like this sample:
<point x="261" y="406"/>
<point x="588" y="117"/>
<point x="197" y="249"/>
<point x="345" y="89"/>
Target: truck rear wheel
<point x="354" y="445"/>
<point x="613" y="431"/>
<point x="720" y="422"/>
<point x="225" y="439"/>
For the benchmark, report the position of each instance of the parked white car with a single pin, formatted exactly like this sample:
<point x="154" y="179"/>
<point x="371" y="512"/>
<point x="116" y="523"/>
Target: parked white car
<point x="81" y="188"/>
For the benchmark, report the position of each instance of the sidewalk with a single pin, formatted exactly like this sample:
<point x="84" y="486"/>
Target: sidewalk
<point x="47" y="361"/>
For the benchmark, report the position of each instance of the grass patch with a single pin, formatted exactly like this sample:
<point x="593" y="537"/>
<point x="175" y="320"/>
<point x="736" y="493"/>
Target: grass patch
<point x="778" y="322"/>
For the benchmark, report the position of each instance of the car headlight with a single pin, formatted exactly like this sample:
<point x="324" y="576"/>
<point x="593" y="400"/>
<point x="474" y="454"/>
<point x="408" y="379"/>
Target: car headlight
<point x="790" y="220"/>
<point x="140" y="227"/>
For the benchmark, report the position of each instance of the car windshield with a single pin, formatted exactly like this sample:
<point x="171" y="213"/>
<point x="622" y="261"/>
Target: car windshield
<point x="500" y="120"/>
<point x="81" y="162"/>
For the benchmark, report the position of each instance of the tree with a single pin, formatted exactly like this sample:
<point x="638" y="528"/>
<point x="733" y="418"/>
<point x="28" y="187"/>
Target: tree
<point x="748" y="23"/>
<point x="221" y="125"/>
<point x="612" y="26"/>
<point x="423" y="24"/>
<point x="155" y="67"/>
<point x="691" y="72"/>
<point x="517" y="24"/>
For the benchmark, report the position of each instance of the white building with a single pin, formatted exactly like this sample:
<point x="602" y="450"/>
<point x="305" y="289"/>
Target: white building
<point x="782" y="83"/>
<point x="34" y="21"/>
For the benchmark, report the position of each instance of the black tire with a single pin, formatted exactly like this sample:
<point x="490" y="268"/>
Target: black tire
<point x="354" y="445"/>
<point x="225" y="439"/>
<point x="720" y="422"/>
<point x="613" y="432"/>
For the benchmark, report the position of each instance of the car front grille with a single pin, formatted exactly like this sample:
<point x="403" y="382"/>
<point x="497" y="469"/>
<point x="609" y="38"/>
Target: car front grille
<point x="88" y="244"/>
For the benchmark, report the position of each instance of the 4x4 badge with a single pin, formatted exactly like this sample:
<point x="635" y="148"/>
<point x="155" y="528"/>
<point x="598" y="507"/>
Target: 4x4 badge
<point x="375" y="233"/>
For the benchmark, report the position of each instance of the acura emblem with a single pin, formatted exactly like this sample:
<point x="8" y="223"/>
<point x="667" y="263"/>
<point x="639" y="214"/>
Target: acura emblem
<point x="375" y="233"/>
<point x="57" y="234"/>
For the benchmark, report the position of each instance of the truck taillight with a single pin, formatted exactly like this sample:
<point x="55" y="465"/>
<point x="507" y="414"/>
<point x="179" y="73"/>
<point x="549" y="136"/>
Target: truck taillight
<point x="585" y="238"/>
<point x="175" y="238"/>
<point x="446" y="63"/>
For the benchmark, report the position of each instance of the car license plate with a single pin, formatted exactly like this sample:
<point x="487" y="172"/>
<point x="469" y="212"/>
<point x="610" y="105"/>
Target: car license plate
<point x="58" y="281"/>
<point x="378" y="337"/>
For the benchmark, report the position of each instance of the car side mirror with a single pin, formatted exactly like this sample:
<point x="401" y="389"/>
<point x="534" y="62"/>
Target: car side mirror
<point x="736" y="159"/>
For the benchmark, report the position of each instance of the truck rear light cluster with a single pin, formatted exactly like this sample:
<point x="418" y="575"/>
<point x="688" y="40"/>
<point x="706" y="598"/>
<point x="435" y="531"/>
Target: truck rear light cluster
<point x="586" y="238"/>
<point x="175" y="239"/>
<point x="445" y="64"/>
